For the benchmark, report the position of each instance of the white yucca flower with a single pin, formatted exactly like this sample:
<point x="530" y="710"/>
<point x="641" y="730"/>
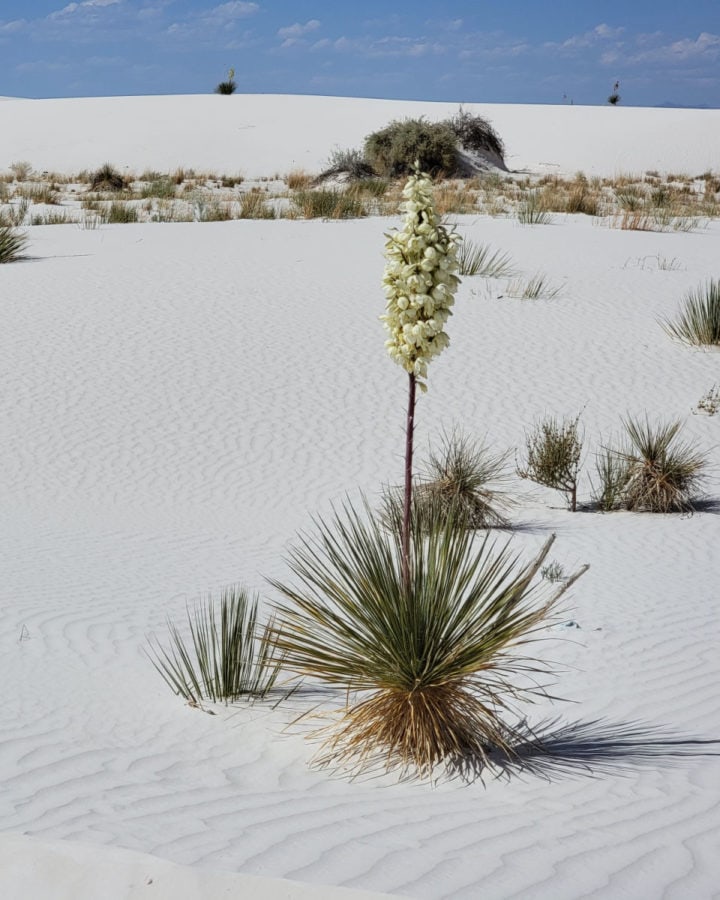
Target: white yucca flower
<point x="419" y="281"/>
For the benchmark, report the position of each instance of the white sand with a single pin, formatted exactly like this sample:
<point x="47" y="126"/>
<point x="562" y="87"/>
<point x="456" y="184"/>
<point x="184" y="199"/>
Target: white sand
<point x="177" y="400"/>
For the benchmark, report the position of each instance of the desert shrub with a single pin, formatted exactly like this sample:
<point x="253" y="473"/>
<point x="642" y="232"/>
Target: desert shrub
<point x="463" y="480"/>
<point x="228" y="86"/>
<point x="121" y="213"/>
<point x="227" y="656"/>
<point x="21" y="169"/>
<point x="699" y="320"/>
<point x="162" y="188"/>
<point x="12" y="244"/>
<point x="107" y="178"/>
<point x="476" y="134"/>
<point x="252" y="206"/>
<point x="350" y="162"/>
<point x="581" y="199"/>
<point x="298" y="179"/>
<point x="328" y="204"/>
<point x="428" y="664"/>
<point x="662" y="472"/>
<point x="394" y="150"/>
<point x="553" y="451"/>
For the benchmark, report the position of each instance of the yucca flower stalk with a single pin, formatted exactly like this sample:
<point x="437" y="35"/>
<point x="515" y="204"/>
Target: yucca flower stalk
<point x="420" y="284"/>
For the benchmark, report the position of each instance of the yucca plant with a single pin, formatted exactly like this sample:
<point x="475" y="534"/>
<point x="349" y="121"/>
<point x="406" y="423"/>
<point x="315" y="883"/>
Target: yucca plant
<point x="699" y="321"/>
<point x="227" y="656"/>
<point x="531" y="210"/>
<point x="107" y="178"/>
<point x="663" y="472"/>
<point x="434" y="667"/>
<point x="463" y="479"/>
<point x="479" y="259"/>
<point x="553" y="451"/>
<point x="12" y="244"/>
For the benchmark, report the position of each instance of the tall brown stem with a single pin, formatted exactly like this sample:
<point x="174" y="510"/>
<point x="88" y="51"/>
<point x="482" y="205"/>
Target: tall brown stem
<point x="407" y="503"/>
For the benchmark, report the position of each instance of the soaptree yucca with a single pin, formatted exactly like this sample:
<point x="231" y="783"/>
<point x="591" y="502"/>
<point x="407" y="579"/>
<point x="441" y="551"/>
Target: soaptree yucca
<point x="433" y="670"/>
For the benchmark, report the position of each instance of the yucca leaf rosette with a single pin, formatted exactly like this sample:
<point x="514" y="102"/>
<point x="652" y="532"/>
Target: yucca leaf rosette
<point x="419" y="281"/>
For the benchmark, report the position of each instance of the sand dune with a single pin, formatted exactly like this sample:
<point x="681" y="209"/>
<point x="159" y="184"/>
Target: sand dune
<point x="179" y="399"/>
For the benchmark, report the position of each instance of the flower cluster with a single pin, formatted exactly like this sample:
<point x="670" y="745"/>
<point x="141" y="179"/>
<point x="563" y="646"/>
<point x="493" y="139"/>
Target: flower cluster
<point x="419" y="281"/>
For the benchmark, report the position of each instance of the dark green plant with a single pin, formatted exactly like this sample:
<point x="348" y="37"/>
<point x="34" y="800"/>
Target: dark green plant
<point x="12" y="244"/>
<point x="553" y="451"/>
<point x="663" y="473"/>
<point x="227" y="656"/>
<point x="107" y="178"/>
<point x="699" y="320"/>
<point x="431" y="665"/>
<point x="394" y="150"/>
<point x="228" y="86"/>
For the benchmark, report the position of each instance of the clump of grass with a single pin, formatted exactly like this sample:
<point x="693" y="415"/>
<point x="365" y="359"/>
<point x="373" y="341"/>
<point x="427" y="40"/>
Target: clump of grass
<point x="531" y="211"/>
<point x="479" y="259"/>
<point x="162" y="188"/>
<point x="227" y="656"/>
<point x="12" y="244"/>
<point x="552" y="572"/>
<point x="15" y="215"/>
<point x="535" y="288"/>
<point x="699" y="320"/>
<point x="430" y="665"/>
<point x="663" y="472"/>
<point x="253" y="206"/>
<point x="121" y="213"/>
<point x="463" y="480"/>
<point x="328" y="204"/>
<point x="298" y="179"/>
<point x="107" y="178"/>
<point x="613" y="472"/>
<point x="553" y="451"/>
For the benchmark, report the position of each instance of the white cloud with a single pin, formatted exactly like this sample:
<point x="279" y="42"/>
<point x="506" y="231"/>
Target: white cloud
<point x="228" y="12"/>
<point x="297" y="30"/>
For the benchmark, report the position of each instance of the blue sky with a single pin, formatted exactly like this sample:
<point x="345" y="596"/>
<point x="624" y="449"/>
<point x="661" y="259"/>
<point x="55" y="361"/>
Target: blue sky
<point x="526" y="51"/>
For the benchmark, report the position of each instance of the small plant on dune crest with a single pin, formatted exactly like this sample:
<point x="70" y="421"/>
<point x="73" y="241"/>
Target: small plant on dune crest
<point x="107" y="178"/>
<point x="479" y="259"/>
<point x="227" y="656"/>
<point x="709" y="403"/>
<point x="553" y="451"/>
<point x="615" y="97"/>
<point x="662" y="472"/>
<point x="699" y="320"/>
<point x="463" y="480"/>
<point x="436" y="658"/>
<point x="12" y="244"/>
<point x="419" y="626"/>
<point x="228" y="86"/>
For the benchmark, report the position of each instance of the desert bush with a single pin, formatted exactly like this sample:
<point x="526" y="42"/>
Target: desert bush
<point x="227" y="656"/>
<point x="394" y="150"/>
<point x="581" y="199"/>
<point x="21" y="169"/>
<point x="162" y="188"/>
<point x="298" y="179"/>
<point x="328" y="204"/>
<point x="107" y="178"/>
<point x="477" y="135"/>
<point x="463" y="480"/>
<point x="662" y="472"/>
<point x="479" y="259"/>
<point x="228" y="86"/>
<point x="553" y="451"/>
<point x="699" y="320"/>
<point x="434" y="658"/>
<point x="350" y="162"/>
<point x="12" y="244"/>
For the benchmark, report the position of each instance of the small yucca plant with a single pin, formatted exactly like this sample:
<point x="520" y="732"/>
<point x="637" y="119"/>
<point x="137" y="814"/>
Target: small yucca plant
<point x="437" y="662"/>
<point x="227" y="656"/>
<point x="699" y="321"/>
<point x="463" y="479"/>
<point x="12" y="244"/>
<point x="228" y="86"/>
<point x="107" y="178"/>
<point x="479" y="259"/>
<point x="663" y="473"/>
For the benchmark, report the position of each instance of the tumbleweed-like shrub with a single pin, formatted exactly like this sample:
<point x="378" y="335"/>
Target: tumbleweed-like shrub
<point x="107" y="178"/>
<point x="226" y="655"/>
<point x="552" y="456"/>
<point x="395" y="149"/>
<point x="432" y="669"/>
